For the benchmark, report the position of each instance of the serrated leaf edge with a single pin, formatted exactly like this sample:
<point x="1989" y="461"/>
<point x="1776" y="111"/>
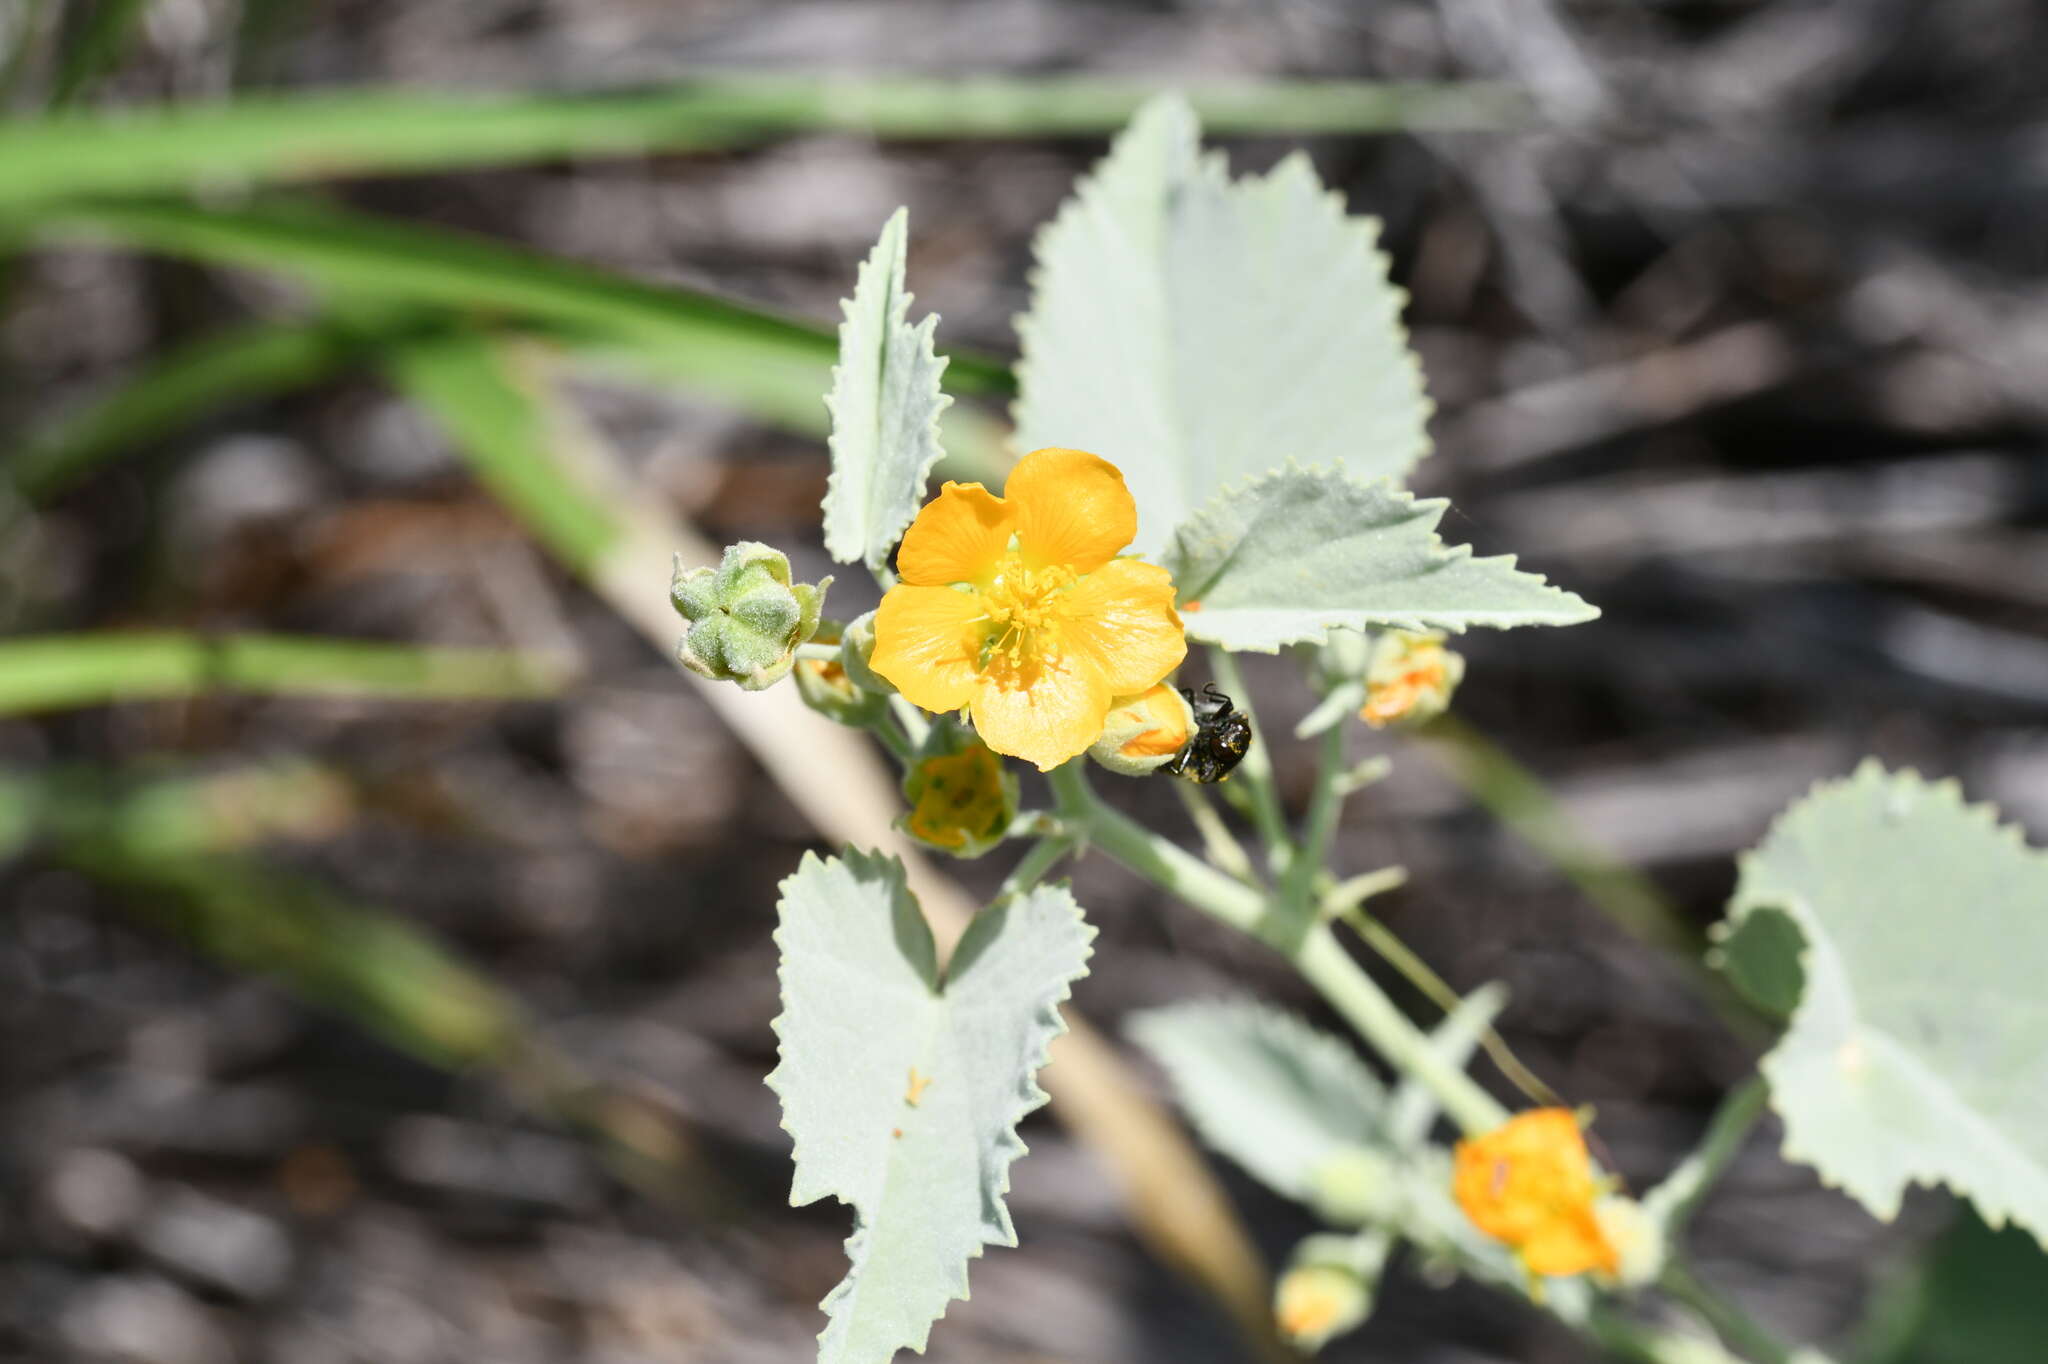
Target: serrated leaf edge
<point x="895" y="318"/>
<point x="1871" y="774"/>
<point x="1434" y="507"/>
<point x="1010" y="1146"/>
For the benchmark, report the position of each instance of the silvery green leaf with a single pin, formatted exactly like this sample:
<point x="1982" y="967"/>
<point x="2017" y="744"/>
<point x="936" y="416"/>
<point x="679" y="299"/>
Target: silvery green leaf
<point x="1915" y="1054"/>
<point x="902" y="1086"/>
<point x="1264" y="1088"/>
<point x="1290" y="555"/>
<point x="1196" y="331"/>
<point x="885" y="404"/>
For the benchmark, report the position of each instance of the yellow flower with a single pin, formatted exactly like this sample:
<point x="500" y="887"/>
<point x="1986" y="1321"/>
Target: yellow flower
<point x="960" y="797"/>
<point x="1314" y="1302"/>
<point x="1530" y="1183"/>
<point x="1017" y="609"/>
<point x="1411" y="678"/>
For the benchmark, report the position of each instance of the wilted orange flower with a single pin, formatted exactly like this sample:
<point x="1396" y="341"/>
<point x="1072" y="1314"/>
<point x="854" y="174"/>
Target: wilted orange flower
<point x="1017" y="609"/>
<point x="1530" y="1183"/>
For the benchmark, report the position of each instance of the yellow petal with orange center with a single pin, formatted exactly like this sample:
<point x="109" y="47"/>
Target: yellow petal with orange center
<point x="1122" y="617"/>
<point x="928" y="643"/>
<point x="1044" y="714"/>
<point x="1072" y="508"/>
<point x="1530" y="1184"/>
<point x="956" y="538"/>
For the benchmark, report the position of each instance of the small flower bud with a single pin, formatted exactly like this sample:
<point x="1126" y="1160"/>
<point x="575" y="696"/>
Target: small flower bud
<point x="825" y="687"/>
<point x="1143" y="732"/>
<point x="962" y="798"/>
<point x="746" y="616"/>
<point x="1355" y="1187"/>
<point x="1637" y="1238"/>
<point x="1328" y="1288"/>
<point x="1410" y="679"/>
<point x="856" y="647"/>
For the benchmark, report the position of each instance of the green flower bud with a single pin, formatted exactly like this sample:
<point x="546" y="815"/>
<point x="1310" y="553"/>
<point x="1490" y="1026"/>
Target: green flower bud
<point x="826" y="688"/>
<point x="856" y="647"/>
<point x="746" y="616"/>
<point x="1356" y="1187"/>
<point x="1142" y="733"/>
<point x="962" y="796"/>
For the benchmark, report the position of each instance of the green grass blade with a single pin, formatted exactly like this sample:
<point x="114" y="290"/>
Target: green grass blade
<point x="378" y="259"/>
<point x="188" y="384"/>
<point x="54" y="672"/>
<point x="326" y="136"/>
<point x="467" y="382"/>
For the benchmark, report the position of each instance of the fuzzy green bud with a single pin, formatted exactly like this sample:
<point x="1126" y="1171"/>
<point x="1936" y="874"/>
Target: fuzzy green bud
<point x="1410" y="679"/>
<point x="746" y="616"/>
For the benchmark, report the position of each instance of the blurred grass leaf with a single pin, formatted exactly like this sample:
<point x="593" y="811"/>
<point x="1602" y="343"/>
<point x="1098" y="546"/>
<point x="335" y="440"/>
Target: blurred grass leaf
<point x="1283" y="559"/>
<point x="1915" y="1052"/>
<point x="469" y="382"/>
<point x="367" y="257"/>
<point x="324" y="136"/>
<point x="1199" y="331"/>
<point x="185" y="385"/>
<point x="902" y="1086"/>
<point x="1274" y="1094"/>
<point x="885" y="405"/>
<point x="53" y="672"/>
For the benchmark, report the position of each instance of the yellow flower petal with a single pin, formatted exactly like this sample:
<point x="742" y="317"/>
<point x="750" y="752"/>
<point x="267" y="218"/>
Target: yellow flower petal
<point x="1530" y="1184"/>
<point x="1122" y="617"/>
<point x="927" y="642"/>
<point x="957" y="538"/>
<point x="1072" y="509"/>
<point x="1044" y="715"/>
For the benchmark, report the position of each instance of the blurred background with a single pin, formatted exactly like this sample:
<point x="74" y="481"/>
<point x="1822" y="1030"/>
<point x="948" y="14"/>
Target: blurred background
<point x="385" y="944"/>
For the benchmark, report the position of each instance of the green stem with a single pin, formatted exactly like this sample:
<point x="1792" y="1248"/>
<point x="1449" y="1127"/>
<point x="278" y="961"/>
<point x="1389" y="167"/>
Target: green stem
<point x="915" y="727"/>
<point x="1737" y="1328"/>
<point x="1218" y="843"/>
<point x="1419" y="973"/>
<point x="1033" y="865"/>
<point x="1321" y="960"/>
<point x="1325" y="964"/>
<point x="1255" y="771"/>
<point x="1675" y="1199"/>
<point x="1297" y="908"/>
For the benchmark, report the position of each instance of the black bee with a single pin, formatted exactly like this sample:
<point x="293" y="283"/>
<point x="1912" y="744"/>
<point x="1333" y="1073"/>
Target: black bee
<point x="1221" y="739"/>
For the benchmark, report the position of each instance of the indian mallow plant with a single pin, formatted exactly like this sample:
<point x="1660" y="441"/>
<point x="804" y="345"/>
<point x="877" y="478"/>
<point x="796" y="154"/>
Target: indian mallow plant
<point x="1217" y="404"/>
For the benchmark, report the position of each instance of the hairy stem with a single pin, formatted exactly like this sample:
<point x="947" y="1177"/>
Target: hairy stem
<point x="1255" y="771"/>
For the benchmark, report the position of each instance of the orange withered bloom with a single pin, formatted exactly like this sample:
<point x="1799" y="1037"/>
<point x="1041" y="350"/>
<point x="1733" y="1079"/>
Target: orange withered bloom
<point x="1017" y="610"/>
<point x="1530" y="1184"/>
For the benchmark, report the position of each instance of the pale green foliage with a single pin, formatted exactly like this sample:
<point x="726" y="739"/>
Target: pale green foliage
<point x="1196" y="331"/>
<point x="1294" y="553"/>
<point x="1264" y="1088"/>
<point x="1915" y="1051"/>
<point x="885" y="404"/>
<point x="924" y="1161"/>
